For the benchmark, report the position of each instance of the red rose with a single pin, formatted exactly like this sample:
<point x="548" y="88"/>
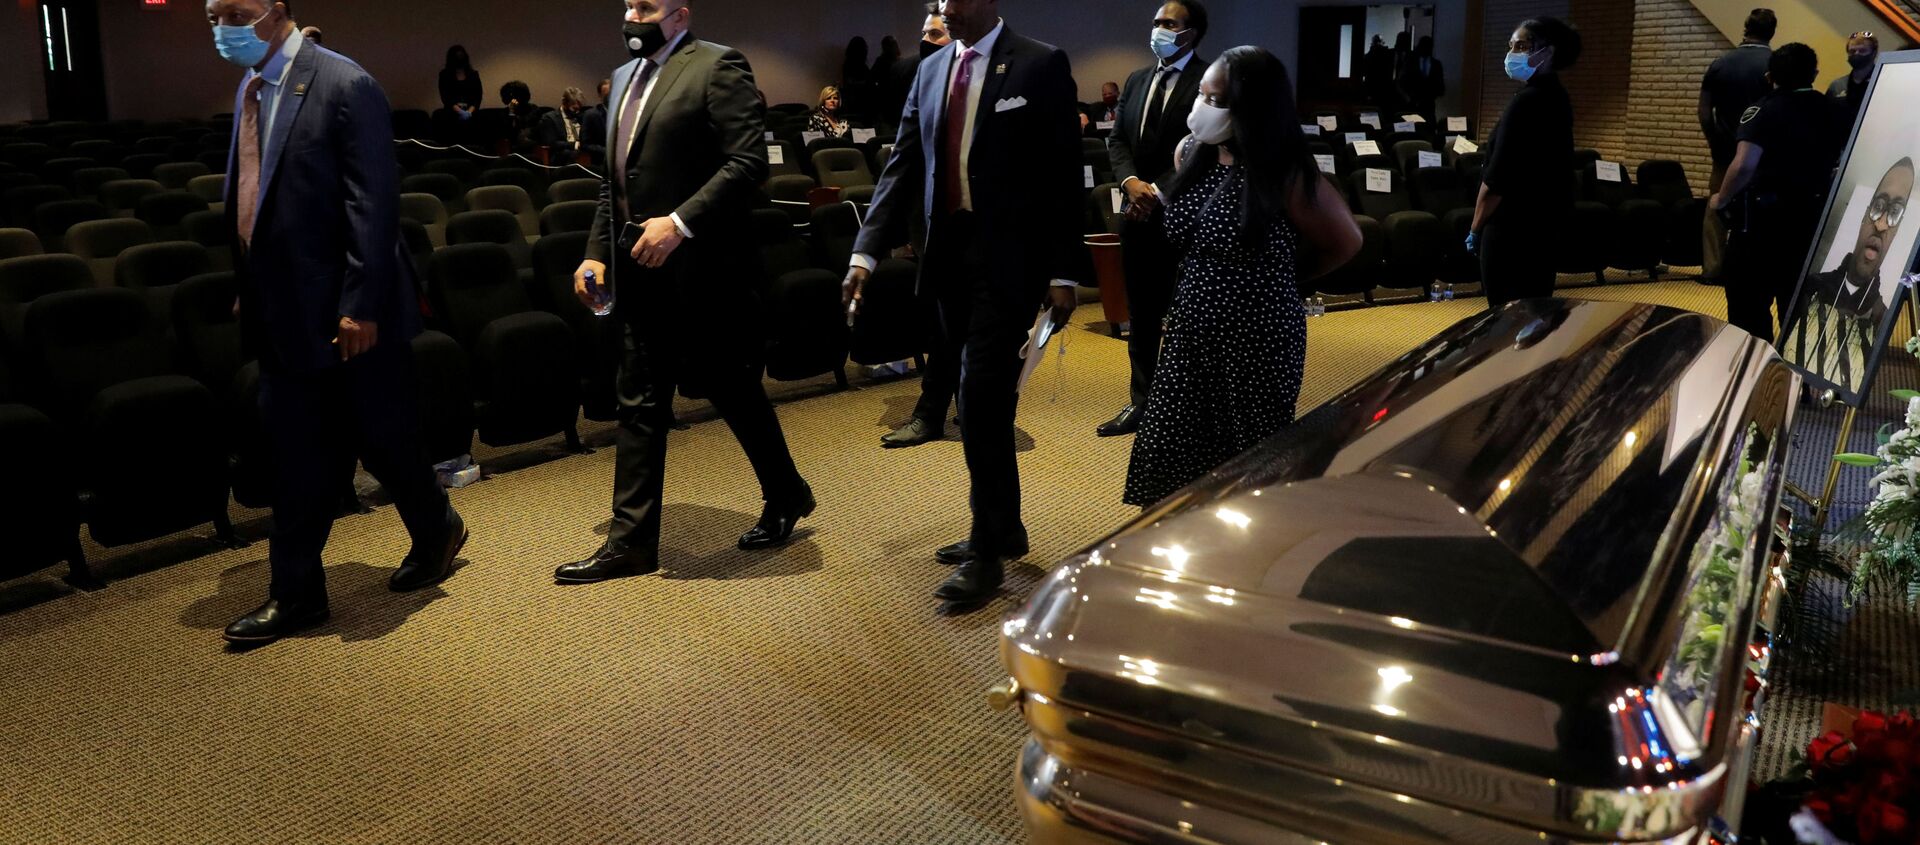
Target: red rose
<point x="1904" y="726"/>
<point x="1820" y="809"/>
<point x="1869" y="722"/>
<point x="1829" y="751"/>
<point x="1880" y="821"/>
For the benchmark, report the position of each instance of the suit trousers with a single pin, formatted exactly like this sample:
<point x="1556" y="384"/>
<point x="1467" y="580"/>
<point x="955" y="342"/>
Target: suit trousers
<point x="1762" y="266"/>
<point x="644" y="387"/>
<point x="1713" y="232"/>
<point x="317" y="423"/>
<point x="990" y="317"/>
<point x="1152" y="266"/>
<point x="941" y="381"/>
<point x="1516" y="260"/>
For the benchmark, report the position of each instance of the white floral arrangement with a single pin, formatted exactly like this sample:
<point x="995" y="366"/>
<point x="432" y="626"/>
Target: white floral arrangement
<point x="1893" y="553"/>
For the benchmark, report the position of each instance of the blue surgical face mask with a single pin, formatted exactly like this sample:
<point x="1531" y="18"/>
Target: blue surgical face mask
<point x="1165" y="43"/>
<point x="1518" y="67"/>
<point x="240" y="44"/>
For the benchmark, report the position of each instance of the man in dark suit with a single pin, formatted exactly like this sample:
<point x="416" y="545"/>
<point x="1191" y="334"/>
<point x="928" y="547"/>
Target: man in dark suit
<point x="1153" y="118"/>
<point x="671" y="237"/>
<point x="564" y="131"/>
<point x="327" y="302"/>
<point x="987" y="164"/>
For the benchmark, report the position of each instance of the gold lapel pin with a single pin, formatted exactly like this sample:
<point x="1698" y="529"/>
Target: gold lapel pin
<point x="300" y="89"/>
<point x="1000" y="70"/>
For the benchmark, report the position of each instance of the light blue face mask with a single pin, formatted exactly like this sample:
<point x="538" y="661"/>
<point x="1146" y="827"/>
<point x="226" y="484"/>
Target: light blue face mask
<point x="1165" y="43"/>
<point x="1518" y="68"/>
<point x="240" y="44"/>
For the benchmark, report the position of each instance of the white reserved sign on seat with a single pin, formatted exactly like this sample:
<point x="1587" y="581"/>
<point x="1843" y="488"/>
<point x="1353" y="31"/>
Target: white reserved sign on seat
<point x="1325" y="162"/>
<point x="1456" y="124"/>
<point x="1328" y="122"/>
<point x="1103" y="125"/>
<point x="810" y="137"/>
<point x="776" y="154"/>
<point x="1366" y="148"/>
<point x="1608" y="171"/>
<point x="861" y="136"/>
<point x="1371" y="119"/>
<point x="1403" y="126"/>
<point x="1462" y="145"/>
<point x="1379" y="180"/>
<point x="1089" y="175"/>
<point x="1356" y="137"/>
<point x="769" y="136"/>
<point x="1429" y="158"/>
<point x="1310" y="128"/>
<point x="1119" y="201"/>
<point x="1413" y="118"/>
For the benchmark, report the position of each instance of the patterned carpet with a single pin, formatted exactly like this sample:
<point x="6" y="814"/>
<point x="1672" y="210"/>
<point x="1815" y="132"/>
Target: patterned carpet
<point x="810" y="695"/>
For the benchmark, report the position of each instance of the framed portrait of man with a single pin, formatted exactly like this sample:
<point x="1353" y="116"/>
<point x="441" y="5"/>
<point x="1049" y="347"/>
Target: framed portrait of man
<point x="1844" y="312"/>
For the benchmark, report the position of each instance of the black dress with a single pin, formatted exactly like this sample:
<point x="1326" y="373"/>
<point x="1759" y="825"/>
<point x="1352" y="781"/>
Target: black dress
<point x="1236" y="341"/>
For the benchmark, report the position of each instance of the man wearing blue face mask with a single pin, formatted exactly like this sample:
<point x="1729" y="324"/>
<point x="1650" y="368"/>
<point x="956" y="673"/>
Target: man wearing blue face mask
<point x="1526" y="192"/>
<point x="1153" y="112"/>
<point x="327" y="303"/>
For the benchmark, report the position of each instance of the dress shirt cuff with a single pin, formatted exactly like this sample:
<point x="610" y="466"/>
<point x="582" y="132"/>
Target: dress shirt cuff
<point x="681" y="225"/>
<point x="862" y="261"/>
<point x="1064" y="283"/>
<point x="1150" y="186"/>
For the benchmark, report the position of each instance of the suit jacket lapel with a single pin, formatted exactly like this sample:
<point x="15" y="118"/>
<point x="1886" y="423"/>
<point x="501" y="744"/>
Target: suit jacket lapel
<point x="621" y="80"/>
<point x="663" y="85"/>
<point x="285" y="109"/>
<point x="999" y="65"/>
<point x="1189" y="81"/>
<point x="933" y="119"/>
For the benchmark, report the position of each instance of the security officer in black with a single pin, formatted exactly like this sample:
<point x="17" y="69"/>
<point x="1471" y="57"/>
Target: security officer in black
<point x="1732" y="84"/>
<point x="1775" y="189"/>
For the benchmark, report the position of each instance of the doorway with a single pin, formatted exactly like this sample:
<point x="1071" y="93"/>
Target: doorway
<point x="1351" y="55"/>
<point x="70" y="60"/>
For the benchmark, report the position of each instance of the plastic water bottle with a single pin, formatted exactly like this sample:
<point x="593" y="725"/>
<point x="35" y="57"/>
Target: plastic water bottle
<point x="1437" y="292"/>
<point x="1447" y="293"/>
<point x="1319" y="305"/>
<point x="602" y="295"/>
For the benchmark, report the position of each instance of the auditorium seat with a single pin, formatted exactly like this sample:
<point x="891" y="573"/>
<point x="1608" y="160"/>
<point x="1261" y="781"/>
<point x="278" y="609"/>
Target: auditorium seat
<point x="10" y="179"/>
<point x="18" y="242"/>
<point x="861" y="196"/>
<point x="789" y="194"/>
<point x="1664" y="181"/>
<point x="463" y="169"/>
<point x="27" y="155"/>
<point x="419" y="245"/>
<point x="141" y="165"/>
<point x="895" y="322"/>
<point x="1584" y="250"/>
<point x="412" y="124"/>
<point x="512" y="199"/>
<point x="164" y="211"/>
<point x="147" y="442"/>
<point x="492" y="226"/>
<point x="572" y="216"/>
<point x="451" y="191"/>
<point x="59" y="171"/>
<point x="100" y="242"/>
<point x="1097" y="160"/>
<point x="808" y="335"/>
<point x="429" y="212"/>
<point x="789" y="158"/>
<point x="164" y="264"/>
<point x="1584" y="158"/>
<point x="207" y="333"/>
<point x="176" y="175"/>
<point x="1101" y="218"/>
<point x="1639" y="238"/>
<point x="22" y="201"/>
<point x="87" y="182"/>
<point x="212" y="232"/>
<point x="1437" y="190"/>
<point x="443" y="384"/>
<point x="98" y="149"/>
<point x="514" y="349"/>
<point x="27" y="278"/>
<point x="1416" y="247"/>
<point x="570" y="190"/>
<point x="1361" y="274"/>
<point x="210" y="188"/>
<point x="1684" y="223"/>
<point x="841" y="168"/>
<point x="122" y="196"/>
<point x="39" y="508"/>
<point x="881" y="156"/>
<point x="596" y="339"/>
<point x="1376" y="204"/>
<point x="154" y="144"/>
<point x="526" y="180"/>
<point x="1406" y="154"/>
<point x="215" y="160"/>
<point x="832" y="232"/>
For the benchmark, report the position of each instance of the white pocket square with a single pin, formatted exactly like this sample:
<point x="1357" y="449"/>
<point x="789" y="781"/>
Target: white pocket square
<point x="1009" y="104"/>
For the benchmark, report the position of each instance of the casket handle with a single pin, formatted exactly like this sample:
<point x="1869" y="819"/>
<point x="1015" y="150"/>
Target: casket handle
<point x="1004" y="694"/>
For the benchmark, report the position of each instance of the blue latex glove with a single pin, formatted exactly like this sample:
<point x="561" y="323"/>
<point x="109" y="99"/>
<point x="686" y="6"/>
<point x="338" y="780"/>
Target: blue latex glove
<point x="1473" y="243"/>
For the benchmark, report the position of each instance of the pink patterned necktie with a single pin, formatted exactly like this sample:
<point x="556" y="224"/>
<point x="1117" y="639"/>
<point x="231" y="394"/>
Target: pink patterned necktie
<point x="248" y="159"/>
<point x="950" y="147"/>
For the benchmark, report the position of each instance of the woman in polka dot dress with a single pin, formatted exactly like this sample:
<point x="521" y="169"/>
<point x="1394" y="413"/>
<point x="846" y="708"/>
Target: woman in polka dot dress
<point x="1253" y="218"/>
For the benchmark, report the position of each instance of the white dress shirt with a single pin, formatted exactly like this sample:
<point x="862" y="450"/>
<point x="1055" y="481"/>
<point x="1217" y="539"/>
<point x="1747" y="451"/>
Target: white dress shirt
<point x="983" y="56"/>
<point x="658" y="60"/>
<point x="275" y="72"/>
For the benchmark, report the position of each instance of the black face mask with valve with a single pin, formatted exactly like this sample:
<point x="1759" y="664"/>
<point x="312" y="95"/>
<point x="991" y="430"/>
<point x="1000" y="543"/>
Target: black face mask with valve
<point x="643" y="39"/>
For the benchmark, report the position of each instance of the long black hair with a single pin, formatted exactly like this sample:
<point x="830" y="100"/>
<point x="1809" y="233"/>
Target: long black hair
<point x="1267" y="142"/>
<point x="457" y="58"/>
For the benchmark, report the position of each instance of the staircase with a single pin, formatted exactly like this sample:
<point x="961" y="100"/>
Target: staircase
<point x="1902" y="15"/>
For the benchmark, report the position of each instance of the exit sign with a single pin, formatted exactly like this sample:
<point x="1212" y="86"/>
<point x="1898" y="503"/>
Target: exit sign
<point x="157" y="5"/>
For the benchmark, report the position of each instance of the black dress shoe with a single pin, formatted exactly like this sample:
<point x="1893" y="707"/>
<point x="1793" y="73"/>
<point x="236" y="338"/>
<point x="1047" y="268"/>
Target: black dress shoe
<point x="1125" y="422"/>
<point x="914" y="433"/>
<point x="276" y="619"/>
<point x="605" y="565"/>
<point x="954" y="554"/>
<point x="776" y="523"/>
<point x="977" y="579"/>
<point x="424" y="568"/>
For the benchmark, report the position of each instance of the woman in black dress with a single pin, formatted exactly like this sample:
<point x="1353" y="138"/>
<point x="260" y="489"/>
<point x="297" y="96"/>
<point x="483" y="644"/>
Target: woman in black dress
<point x="459" y="83"/>
<point x="1253" y="218"/>
<point x="1526" y="191"/>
